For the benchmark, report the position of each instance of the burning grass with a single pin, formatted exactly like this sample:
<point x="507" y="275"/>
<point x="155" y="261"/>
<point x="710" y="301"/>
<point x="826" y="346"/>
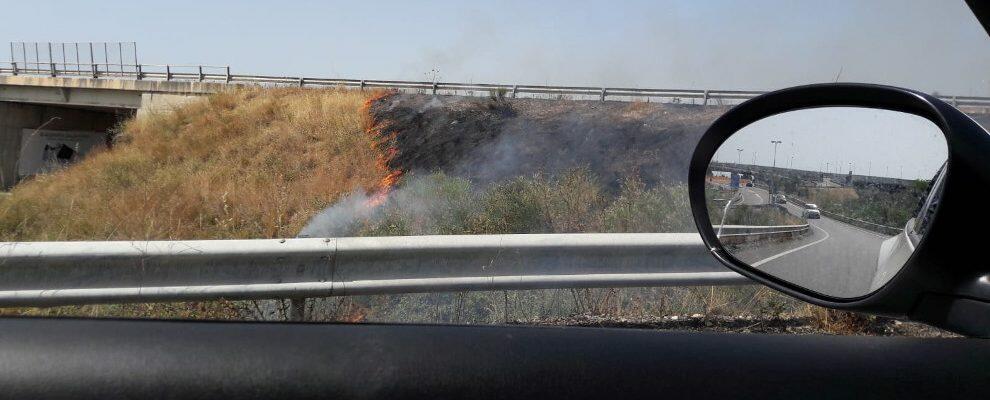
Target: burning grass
<point x="383" y="144"/>
<point x="249" y="163"/>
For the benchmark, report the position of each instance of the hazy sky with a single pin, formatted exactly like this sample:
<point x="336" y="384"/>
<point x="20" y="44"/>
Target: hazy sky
<point x="925" y="45"/>
<point x="866" y="141"/>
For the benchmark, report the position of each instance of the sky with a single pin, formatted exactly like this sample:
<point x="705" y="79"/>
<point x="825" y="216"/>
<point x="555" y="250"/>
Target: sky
<point x="758" y="45"/>
<point x="842" y="139"/>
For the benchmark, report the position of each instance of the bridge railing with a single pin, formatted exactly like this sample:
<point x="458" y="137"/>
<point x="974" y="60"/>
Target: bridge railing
<point x="165" y="72"/>
<point x="208" y="73"/>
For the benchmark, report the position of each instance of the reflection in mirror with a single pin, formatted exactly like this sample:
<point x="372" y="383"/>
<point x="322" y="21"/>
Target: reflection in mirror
<point x="831" y="199"/>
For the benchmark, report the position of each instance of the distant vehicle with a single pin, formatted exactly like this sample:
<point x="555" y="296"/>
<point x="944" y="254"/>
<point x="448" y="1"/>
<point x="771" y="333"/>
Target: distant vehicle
<point x="779" y="199"/>
<point x="812" y="214"/>
<point x="811" y="206"/>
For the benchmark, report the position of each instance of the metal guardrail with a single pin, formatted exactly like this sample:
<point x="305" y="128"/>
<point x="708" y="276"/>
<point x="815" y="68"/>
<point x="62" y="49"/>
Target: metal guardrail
<point x="206" y="73"/>
<point x="871" y="226"/>
<point x="759" y="229"/>
<point x="63" y="273"/>
<point x="735" y="234"/>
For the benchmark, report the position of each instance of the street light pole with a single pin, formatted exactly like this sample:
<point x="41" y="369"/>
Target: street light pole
<point x="739" y="156"/>
<point x="773" y="183"/>
<point x="775" y="143"/>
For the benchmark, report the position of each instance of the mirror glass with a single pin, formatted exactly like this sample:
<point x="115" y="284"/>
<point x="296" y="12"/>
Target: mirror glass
<point x="831" y="199"/>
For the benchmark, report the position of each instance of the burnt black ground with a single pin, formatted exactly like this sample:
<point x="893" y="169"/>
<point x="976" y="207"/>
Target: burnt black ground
<point x="488" y="140"/>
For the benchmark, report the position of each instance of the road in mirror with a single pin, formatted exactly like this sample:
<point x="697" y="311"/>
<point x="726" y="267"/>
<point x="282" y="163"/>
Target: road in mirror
<point x="831" y="199"/>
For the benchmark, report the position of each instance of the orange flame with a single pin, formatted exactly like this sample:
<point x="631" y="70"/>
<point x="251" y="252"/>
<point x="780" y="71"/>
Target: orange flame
<point x="384" y="143"/>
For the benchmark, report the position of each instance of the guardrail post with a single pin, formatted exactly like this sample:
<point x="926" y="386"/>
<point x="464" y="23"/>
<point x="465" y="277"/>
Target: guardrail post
<point x="200" y="73"/>
<point x="54" y="70"/>
<point x="297" y="309"/>
<point x="168" y="72"/>
<point x="96" y="73"/>
<point x="603" y="94"/>
<point x="514" y="90"/>
<point x="14" y="66"/>
<point x="434" y="88"/>
<point x="228" y="74"/>
<point x="362" y="85"/>
<point x="302" y="82"/>
<point x="705" y="99"/>
<point x="137" y="71"/>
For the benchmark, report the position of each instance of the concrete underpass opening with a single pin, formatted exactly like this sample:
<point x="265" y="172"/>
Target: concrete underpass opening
<point x="41" y="138"/>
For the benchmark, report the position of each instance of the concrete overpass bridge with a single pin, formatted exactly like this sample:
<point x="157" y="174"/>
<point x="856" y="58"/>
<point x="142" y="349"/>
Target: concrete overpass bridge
<point x="46" y="120"/>
<point x="763" y="173"/>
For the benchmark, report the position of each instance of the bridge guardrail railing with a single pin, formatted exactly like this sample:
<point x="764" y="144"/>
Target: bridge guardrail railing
<point x="207" y="73"/>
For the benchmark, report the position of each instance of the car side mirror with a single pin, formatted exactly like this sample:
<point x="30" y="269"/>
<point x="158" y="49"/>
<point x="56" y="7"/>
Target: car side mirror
<point x="851" y="196"/>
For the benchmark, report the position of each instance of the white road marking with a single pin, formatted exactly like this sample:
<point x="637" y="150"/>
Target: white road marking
<point x="756" y="194"/>
<point x="776" y="256"/>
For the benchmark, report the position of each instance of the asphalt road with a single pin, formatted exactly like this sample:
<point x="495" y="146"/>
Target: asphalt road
<point x="835" y="259"/>
<point x="753" y="196"/>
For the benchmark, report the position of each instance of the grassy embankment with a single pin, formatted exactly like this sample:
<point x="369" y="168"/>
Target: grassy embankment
<point x="250" y="163"/>
<point x="258" y="163"/>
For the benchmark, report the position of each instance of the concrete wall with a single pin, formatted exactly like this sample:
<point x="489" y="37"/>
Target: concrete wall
<point x="16" y="117"/>
<point x="44" y="151"/>
<point x="163" y="102"/>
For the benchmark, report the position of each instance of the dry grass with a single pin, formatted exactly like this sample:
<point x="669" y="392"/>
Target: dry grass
<point x="249" y="163"/>
<point x="838" y="322"/>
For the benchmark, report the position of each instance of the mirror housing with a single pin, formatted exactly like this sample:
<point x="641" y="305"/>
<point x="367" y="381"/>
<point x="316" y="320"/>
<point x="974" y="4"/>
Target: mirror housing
<point x="945" y="282"/>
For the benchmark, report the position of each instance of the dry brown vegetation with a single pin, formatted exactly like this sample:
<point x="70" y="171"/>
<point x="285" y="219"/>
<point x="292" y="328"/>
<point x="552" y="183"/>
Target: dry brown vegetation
<point x="248" y="163"/>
